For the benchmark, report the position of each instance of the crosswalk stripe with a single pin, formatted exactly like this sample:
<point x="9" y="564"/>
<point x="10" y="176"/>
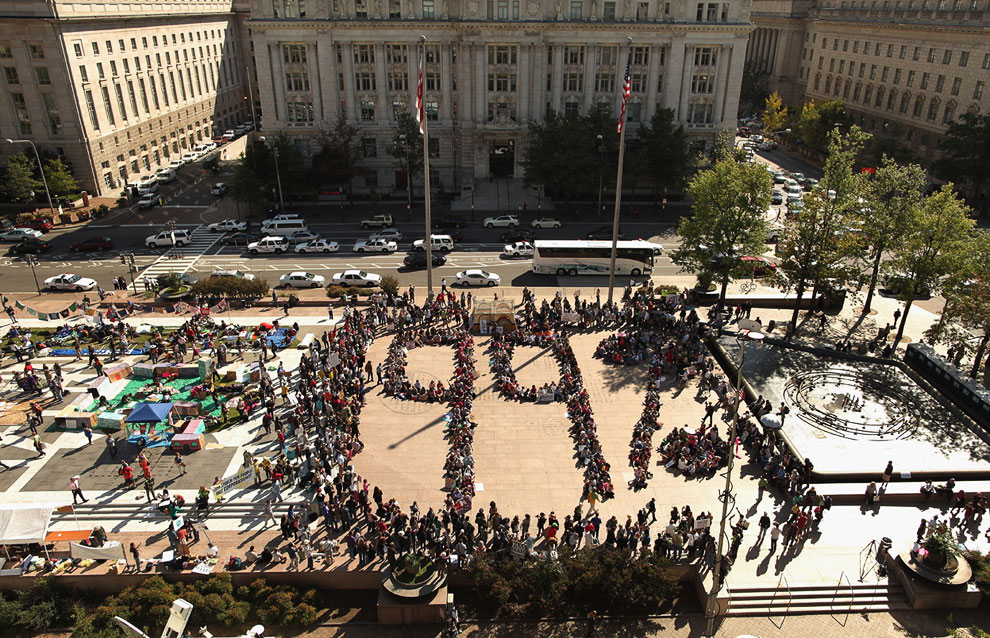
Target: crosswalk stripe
<point x="178" y="259"/>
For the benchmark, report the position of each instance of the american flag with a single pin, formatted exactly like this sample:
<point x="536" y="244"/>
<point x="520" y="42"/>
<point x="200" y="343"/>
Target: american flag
<point x="625" y="93"/>
<point x="420" y="116"/>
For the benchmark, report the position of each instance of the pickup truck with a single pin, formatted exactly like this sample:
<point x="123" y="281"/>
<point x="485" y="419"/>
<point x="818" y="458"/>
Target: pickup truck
<point x="377" y="221"/>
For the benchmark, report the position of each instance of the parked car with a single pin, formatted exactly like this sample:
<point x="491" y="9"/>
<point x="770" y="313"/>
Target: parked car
<point x="19" y="234"/>
<point x="388" y="234"/>
<point x="176" y="164"/>
<point x="545" y="222"/>
<point x="442" y="243"/>
<point x="190" y="157"/>
<point x="375" y="246"/>
<point x="416" y="261"/>
<point x="239" y="239"/>
<point x="169" y="238"/>
<point x="273" y="244"/>
<point x="30" y="245"/>
<point x="605" y="232"/>
<point x="477" y="277"/>
<point x="776" y="198"/>
<point x="302" y="280"/>
<point x="449" y="221"/>
<point x="219" y="189"/>
<point x="377" y="221"/>
<point x="44" y="225"/>
<point x="91" y="245"/>
<point x="148" y="200"/>
<point x="356" y="278"/>
<point x="900" y="283"/>
<point x="238" y="274"/>
<point x="518" y="249"/>
<point x="301" y="237"/>
<point x="512" y="236"/>
<point x="227" y="225"/>
<point x="318" y="246"/>
<point x="69" y="282"/>
<point x="759" y="266"/>
<point x="502" y="221"/>
<point x="165" y="175"/>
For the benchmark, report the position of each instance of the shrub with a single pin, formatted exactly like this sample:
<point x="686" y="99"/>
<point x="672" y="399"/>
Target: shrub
<point x="339" y="292"/>
<point x="43" y="607"/>
<point x="390" y="284"/>
<point x="231" y="287"/>
<point x="980" y="563"/>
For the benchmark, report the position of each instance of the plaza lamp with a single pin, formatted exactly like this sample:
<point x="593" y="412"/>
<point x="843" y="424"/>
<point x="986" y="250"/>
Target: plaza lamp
<point x="40" y="168"/>
<point x="32" y="261"/>
<point x="278" y="175"/>
<point x="751" y="335"/>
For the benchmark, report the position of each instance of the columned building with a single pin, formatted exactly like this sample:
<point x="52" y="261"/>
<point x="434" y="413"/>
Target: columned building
<point x="905" y="68"/>
<point x="489" y="69"/>
<point x="120" y="89"/>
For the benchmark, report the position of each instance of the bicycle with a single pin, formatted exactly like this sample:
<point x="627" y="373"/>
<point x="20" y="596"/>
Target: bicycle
<point x="748" y="287"/>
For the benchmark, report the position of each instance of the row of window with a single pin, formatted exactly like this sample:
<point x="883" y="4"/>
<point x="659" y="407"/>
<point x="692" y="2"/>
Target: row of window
<point x="177" y="38"/>
<point x="924" y="80"/>
<point x="902" y="51"/>
<point x="509" y="10"/>
<point x="880" y="98"/>
<point x="924" y="5"/>
<point x="24" y="123"/>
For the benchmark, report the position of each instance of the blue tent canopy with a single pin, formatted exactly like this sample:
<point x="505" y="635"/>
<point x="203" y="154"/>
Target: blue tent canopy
<point x="149" y="413"/>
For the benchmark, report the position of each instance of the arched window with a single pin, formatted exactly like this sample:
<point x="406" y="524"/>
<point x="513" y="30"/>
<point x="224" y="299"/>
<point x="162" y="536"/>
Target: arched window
<point x="891" y="100"/>
<point x="818" y="80"/>
<point x="868" y="94"/>
<point x="949" y="115"/>
<point x="905" y="102"/>
<point x="846" y="90"/>
<point x="933" y="109"/>
<point x="857" y="92"/>
<point x="828" y="84"/>
<point x="919" y="106"/>
<point x="879" y="101"/>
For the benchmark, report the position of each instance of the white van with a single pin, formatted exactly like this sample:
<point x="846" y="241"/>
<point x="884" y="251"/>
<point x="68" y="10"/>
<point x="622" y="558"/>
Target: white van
<point x="147" y="186"/>
<point x="272" y="244"/>
<point x="165" y="175"/>
<point x="791" y="187"/>
<point x="443" y="243"/>
<point x="282" y="226"/>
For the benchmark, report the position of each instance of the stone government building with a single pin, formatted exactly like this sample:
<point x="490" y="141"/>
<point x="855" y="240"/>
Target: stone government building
<point x="905" y="68"/>
<point x="121" y="88"/>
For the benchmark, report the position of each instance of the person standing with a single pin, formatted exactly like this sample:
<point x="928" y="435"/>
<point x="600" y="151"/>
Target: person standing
<point x="38" y="445"/>
<point x="179" y="462"/>
<point x="764" y="526"/>
<point x="76" y="490"/>
<point x="137" y="557"/>
<point x="149" y="488"/>
<point x="888" y="472"/>
<point x="774" y="536"/>
<point x="277" y="490"/>
<point x="112" y="446"/>
<point x="88" y="431"/>
<point x="269" y="515"/>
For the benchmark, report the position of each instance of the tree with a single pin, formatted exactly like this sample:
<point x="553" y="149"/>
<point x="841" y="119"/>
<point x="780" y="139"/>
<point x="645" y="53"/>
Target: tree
<point x="774" y="113"/>
<point x="249" y="185"/>
<point x="19" y="184"/>
<point x="818" y="119"/>
<point x="60" y="178"/>
<point x="938" y="245"/>
<point x="813" y="245"/>
<point x="562" y="152"/>
<point x="341" y="150"/>
<point x="966" y="152"/>
<point x="753" y="91"/>
<point x="891" y="196"/>
<point x="728" y="221"/>
<point x="967" y="305"/>
<point x="664" y="151"/>
<point x="407" y="147"/>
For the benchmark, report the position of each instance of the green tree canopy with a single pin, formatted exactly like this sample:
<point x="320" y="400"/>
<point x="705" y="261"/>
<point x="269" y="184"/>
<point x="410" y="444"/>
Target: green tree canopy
<point x="966" y="152"/>
<point x="753" y="91"/>
<point x="890" y="198"/>
<point x="937" y="247"/>
<point x="815" y="243"/>
<point x="562" y="153"/>
<point x="256" y="178"/>
<point x="664" y="151"/>
<point x="60" y="178"/>
<point x="340" y="152"/>
<point x="727" y="221"/>
<point x="19" y="183"/>
<point x="407" y="147"/>
<point x="818" y="119"/>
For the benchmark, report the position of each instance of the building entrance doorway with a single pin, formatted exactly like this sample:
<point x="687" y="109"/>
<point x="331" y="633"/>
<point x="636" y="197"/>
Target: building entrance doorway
<point x="502" y="158"/>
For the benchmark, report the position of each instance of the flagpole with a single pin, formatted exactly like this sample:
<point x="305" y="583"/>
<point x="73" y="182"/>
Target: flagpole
<point x="618" y="177"/>
<point x="421" y="106"/>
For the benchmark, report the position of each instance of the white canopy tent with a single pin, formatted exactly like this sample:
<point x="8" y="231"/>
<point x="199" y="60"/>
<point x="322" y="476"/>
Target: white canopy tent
<point x="22" y="523"/>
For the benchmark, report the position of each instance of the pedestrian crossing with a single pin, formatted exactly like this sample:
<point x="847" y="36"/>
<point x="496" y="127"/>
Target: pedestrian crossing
<point x="180" y="259"/>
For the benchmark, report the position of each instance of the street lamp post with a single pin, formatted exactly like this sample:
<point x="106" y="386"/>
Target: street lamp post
<point x="41" y="168"/>
<point x="278" y="176"/>
<point x="33" y="261"/>
<point x="128" y="260"/>
<point x="601" y="170"/>
<point x="744" y="336"/>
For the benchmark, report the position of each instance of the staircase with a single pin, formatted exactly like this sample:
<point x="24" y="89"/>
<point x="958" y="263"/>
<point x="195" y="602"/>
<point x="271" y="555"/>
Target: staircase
<point x="812" y="599"/>
<point x="502" y="194"/>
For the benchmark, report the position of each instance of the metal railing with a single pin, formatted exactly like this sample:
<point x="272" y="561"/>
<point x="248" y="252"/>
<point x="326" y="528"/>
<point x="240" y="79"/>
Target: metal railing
<point x="790" y="597"/>
<point x="835" y="594"/>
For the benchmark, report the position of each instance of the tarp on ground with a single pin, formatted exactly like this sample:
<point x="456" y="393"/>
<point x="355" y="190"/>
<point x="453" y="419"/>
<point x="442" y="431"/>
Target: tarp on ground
<point x="149" y="412"/>
<point x="111" y="551"/>
<point x="24" y="522"/>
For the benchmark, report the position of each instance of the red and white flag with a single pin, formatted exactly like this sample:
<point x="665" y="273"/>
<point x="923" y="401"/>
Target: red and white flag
<point x="625" y="93"/>
<point x="420" y="116"/>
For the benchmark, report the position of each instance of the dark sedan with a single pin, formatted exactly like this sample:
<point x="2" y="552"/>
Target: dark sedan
<point x="449" y="221"/>
<point x="239" y="239"/>
<point x="416" y="261"/>
<point x="33" y="246"/>
<point x="605" y="232"/>
<point x="513" y="236"/>
<point x="91" y="245"/>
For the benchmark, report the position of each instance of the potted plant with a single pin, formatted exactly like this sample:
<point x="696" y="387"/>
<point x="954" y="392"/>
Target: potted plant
<point x="941" y="550"/>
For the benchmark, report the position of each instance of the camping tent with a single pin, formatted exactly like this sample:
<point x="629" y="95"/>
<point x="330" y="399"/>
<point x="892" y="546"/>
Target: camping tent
<point x="149" y="413"/>
<point x="22" y="523"/>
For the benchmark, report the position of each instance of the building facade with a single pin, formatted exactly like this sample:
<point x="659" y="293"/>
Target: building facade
<point x="120" y="90"/>
<point x="904" y="68"/>
<point x="490" y="68"/>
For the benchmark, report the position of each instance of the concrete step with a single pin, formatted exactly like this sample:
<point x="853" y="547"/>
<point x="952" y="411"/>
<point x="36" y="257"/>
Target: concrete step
<point x="816" y="599"/>
<point x="803" y="611"/>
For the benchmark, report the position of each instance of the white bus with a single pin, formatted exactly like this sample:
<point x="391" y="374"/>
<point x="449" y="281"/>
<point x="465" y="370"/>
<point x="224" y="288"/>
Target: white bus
<point x="591" y="257"/>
